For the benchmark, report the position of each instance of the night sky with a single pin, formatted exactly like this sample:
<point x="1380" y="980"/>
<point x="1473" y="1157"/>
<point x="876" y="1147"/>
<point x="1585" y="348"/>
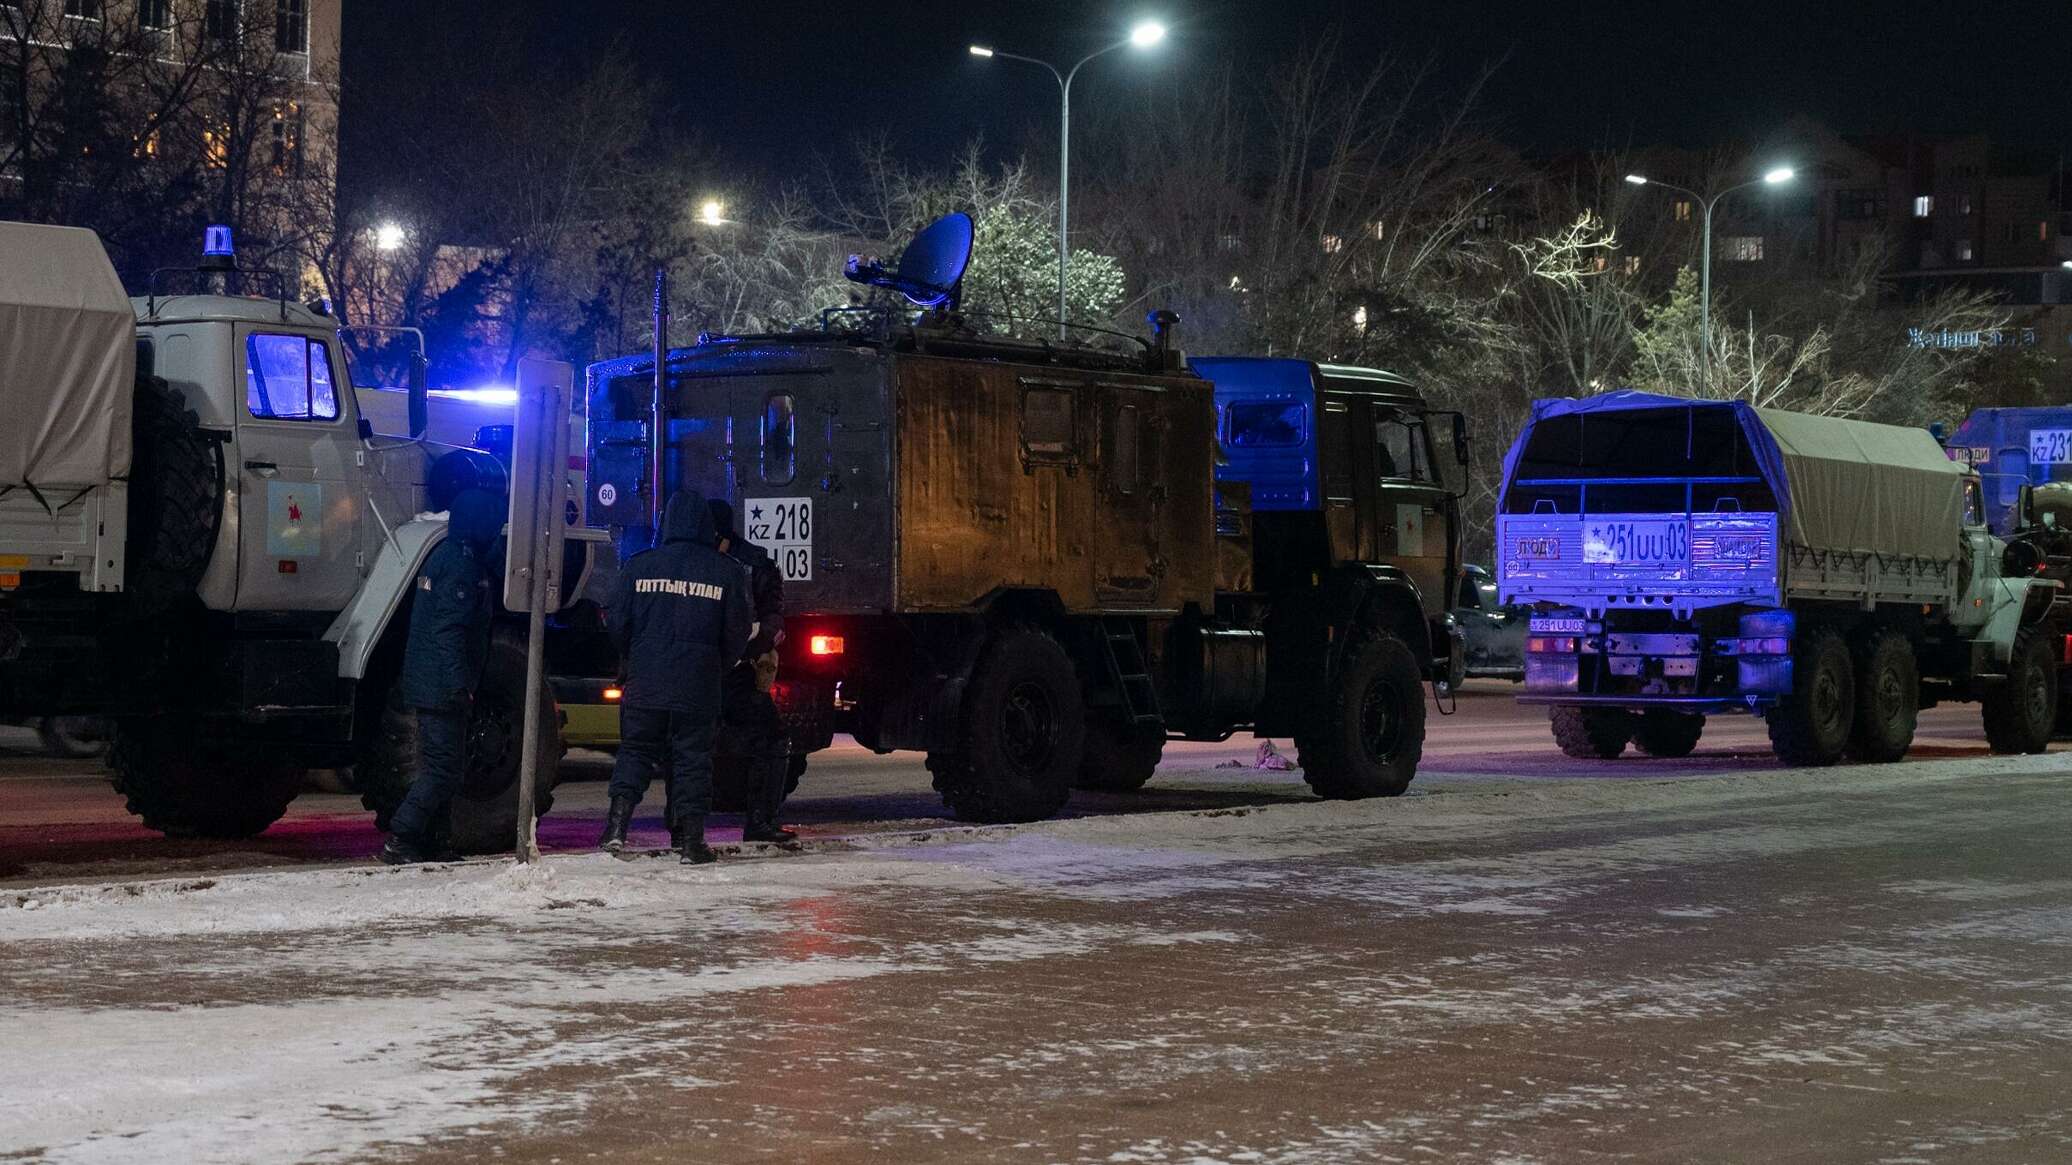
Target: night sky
<point x="764" y="79"/>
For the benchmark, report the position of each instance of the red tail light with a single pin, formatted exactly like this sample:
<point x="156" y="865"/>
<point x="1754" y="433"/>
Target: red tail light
<point x="825" y="645"/>
<point x="612" y="695"/>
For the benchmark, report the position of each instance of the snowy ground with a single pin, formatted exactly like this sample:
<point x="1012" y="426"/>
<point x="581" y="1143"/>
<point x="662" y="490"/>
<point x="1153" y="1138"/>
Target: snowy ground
<point x="1860" y="964"/>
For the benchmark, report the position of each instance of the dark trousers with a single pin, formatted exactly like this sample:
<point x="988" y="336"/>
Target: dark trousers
<point x="753" y="725"/>
<point x="650" y="738"/>
<point x="442" y="755"/>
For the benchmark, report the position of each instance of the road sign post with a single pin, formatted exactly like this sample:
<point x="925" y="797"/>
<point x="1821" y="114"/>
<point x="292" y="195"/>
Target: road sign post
<point x="532" y="564"/>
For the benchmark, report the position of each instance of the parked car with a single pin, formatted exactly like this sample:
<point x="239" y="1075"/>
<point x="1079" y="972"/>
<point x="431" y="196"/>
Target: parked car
<point x="1495" y="633"/>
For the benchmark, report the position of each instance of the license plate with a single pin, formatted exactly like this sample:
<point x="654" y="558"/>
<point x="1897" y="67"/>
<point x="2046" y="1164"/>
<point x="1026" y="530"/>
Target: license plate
<point x="1558" y="627"/>
<point x="1637" y="543"/>
<point x="1539" y="547"/>
<point x="784" y="527"/>
<point x="2050" y="446"/>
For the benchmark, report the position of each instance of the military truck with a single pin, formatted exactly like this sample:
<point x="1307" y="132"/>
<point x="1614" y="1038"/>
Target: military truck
<point x="2010" y="448"/>
<point x="205" y="540"/>
<point x="1687" y="558"/>
<point x="1036" y="562"/>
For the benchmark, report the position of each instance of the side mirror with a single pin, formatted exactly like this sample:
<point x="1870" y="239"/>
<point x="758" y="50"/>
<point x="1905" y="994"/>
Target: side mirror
<point x="420" y="397"/>
<point x="2025" y="506"/>
<point x="1460" y="438"/>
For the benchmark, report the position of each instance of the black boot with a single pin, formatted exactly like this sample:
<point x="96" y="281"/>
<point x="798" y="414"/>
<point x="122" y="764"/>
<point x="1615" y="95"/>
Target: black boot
<point x="772" y="774"/>
<point x="616" y="819"/>
<point x="405" y="851"/>
<point x="690" y="842"/>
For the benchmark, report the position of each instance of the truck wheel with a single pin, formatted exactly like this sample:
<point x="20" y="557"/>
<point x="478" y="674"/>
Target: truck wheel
<point x="185" y="784"/>
<point x="484" y="814"/>
<point x="73" y="737"/>
<point x="1594" y="733"/>
<point x="1665" y="734"/>
<point x="1366" y="736"/>
<point x="1022" y="733"/>
<point x="176" y="497"/>
<point x="1812" y="726"/>
<point x="1888" y="698"/>
<point x="2020" y="713"/>
<point x="1120" y="756"/>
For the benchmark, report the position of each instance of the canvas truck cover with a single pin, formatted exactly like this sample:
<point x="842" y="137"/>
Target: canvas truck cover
<point x="68" y="355"/>
<point x="1840" y="484"/>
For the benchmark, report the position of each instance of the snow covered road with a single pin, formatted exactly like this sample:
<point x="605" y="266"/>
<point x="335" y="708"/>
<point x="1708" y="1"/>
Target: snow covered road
<point x="1859" y="964"/>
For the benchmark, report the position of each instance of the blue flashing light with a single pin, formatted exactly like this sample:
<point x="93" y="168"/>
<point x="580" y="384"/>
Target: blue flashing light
<point x="216" y="241"/>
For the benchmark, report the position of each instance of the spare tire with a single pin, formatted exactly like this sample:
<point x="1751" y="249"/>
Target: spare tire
<point x="176" y="495"/>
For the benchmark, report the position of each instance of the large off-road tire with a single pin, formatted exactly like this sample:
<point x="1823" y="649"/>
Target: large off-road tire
<point x="176" y="497"/>
<point x="1662" y="733"/>
<point x="1120" y="756"/>
<point x="184" y="782"/>
<point x="1812" y="726"/>
<point x="1888" y="697"/>
<point x="484" y="814"/>
<point x="1593" y="733"/>
<point x="1366" y="734"/>
<point x="1021" y="734"/>
<point x="73" y="737"/>
<point x="2020" y="713"/>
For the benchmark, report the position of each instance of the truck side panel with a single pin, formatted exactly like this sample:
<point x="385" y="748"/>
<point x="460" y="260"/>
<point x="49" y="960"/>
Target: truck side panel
<point x="1597" y="561"/>
<point x="1000" y="475"/>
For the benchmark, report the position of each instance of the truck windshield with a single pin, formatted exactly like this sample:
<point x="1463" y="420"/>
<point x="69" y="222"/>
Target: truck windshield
<point x="1400" y="441"/>
<point x="1265" y="424"/>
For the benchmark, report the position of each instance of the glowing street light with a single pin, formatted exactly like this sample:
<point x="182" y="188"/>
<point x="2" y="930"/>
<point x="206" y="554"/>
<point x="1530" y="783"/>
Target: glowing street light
<point x="388" y="236"/>
<point x="712" y="212"/>
<point x="1773" y="177"/>
<point x="1143" y="35"/>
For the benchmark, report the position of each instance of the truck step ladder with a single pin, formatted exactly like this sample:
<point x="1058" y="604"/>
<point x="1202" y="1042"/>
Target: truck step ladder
<point x="1132" y="676"/>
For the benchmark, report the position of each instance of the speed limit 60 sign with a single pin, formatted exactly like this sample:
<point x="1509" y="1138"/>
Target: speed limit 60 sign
<point x="784" y="527"/>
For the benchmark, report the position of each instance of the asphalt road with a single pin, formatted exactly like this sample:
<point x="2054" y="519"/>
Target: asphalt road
<point x="59" y="821"/>
<point x="1746" y="964"/>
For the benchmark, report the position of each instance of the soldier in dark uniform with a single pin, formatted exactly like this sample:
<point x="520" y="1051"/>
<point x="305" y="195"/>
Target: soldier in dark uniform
<point x="442" y="663"/>
<point x="748" y="712"/>
<point x="680" y="616"/>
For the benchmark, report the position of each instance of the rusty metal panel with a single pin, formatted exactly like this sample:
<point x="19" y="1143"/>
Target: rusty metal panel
<point x="1007" y="478"/>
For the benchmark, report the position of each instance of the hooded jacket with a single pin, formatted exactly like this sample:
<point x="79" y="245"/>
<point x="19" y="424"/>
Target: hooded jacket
<point x="451" y="607"/>
<point x="680" y="615"/>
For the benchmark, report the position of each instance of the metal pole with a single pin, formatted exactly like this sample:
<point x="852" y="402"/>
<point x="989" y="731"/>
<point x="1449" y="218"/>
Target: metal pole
<point x="543" y="488"/>
<point x="656" y="444"/>
<point x="1064" y="188"/>
<point x="1705" y="301"/>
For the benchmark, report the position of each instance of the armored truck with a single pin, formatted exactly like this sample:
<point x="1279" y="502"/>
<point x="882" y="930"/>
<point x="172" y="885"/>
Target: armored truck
<point x="1686" y="558"/>
<point x="1037" y="562"/>
<point x="204" y="539"/>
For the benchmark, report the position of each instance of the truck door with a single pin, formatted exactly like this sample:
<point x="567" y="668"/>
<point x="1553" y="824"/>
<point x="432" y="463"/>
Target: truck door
<point x="1411" y="500"/>
<point x="779" y="454"/>
<point x="301" y="470"/>
<point x="1128" y="559"/>
<point x="1344" y="464"/>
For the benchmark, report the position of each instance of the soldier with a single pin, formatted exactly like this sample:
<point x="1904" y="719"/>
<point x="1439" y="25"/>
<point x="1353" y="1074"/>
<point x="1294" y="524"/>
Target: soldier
<point x="747" y="709"/>
<point x="679" y="618"/>
<point x="442" y="663"/>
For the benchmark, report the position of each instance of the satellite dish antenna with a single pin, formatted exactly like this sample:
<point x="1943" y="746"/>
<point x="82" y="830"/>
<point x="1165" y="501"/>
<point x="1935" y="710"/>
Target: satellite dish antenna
<point x="931" y="269"/>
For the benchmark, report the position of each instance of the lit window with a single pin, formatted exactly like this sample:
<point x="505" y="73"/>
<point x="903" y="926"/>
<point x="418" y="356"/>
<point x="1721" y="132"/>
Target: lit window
<point x="1600" y="263"/>
<point x="1231" y="242"/>
<point x="1360" y="319"/>
<point x="1632" y="264"/>
<point x="2043" y="231"/>
<point x="1681" y="208"/>
<point x="1333" y="244"/>
<point x="291" y="25"/>
<point x="1924" y="205"/>
<point x="780" y="444"/>
<point x="289" y="378"/>
<point x="1743" y="248"/>
<point x="1964" y="250"/>
<point x="1964" y="205"/>
<point x="287" y="139"/>
<point x="1379" y="229"/>
<point x="215" y="147"/>
<point x="146" y="146"/>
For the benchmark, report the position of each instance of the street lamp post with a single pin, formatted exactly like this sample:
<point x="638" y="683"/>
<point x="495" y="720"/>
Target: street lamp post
<point x="1774" y="177"/>
<point x="1143" y="36"/>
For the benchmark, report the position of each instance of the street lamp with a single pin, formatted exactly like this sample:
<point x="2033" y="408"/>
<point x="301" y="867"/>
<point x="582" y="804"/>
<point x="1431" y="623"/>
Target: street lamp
<point x="1143" y="35"/>
<point x="388" y="236"/>
<point x="712" y="212"/>
<point x="1773" y="177"/>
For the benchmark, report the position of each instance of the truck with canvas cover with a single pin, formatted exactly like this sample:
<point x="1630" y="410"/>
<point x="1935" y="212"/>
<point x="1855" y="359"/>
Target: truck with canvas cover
<point x="204" y="540"/>
<point x="1038" y="561"/>
<point x="1684" y="558"/>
